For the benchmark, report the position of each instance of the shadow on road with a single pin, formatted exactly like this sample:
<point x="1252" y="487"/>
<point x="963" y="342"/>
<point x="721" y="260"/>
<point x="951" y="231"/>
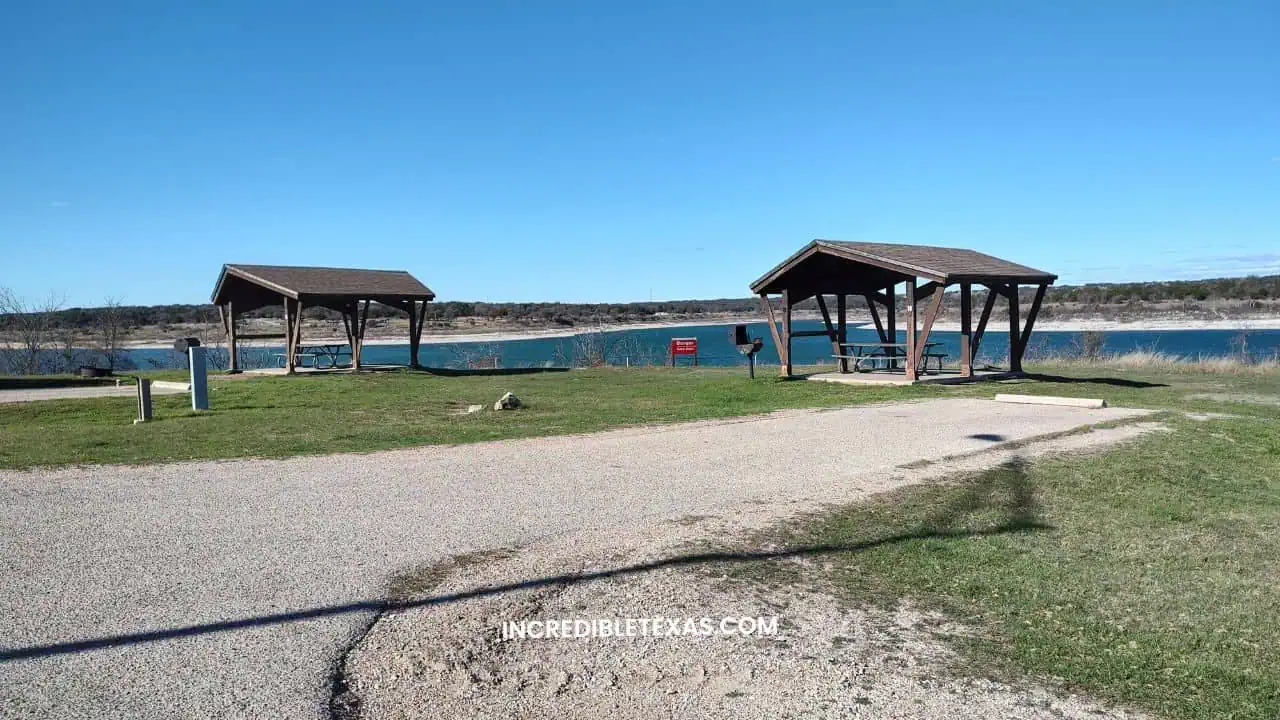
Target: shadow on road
<point x="1116" y="382"/>
<point x="1005" y="490"/>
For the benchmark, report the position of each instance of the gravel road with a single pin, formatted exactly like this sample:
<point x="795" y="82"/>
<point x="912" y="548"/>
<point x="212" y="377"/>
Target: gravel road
<point x="156" y="591"/>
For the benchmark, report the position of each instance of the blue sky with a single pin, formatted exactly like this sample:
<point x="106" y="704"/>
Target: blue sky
<point x="617" y="151"/>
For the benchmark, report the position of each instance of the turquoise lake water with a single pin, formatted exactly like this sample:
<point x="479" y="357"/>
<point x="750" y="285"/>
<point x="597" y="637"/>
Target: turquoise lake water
<point x="649" y="346"/>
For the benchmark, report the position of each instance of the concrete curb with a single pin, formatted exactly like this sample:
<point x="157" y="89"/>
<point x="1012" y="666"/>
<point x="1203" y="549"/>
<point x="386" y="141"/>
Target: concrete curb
<point x="1091" y="403"/>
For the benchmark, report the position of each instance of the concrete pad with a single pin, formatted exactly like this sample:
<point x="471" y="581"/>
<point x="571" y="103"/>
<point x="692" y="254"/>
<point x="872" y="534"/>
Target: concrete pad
<point x="947" y="377"/>
<point x="1051" y="400"/>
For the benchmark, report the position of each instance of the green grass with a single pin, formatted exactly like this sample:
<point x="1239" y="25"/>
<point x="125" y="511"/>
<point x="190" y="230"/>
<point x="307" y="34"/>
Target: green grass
<point x="279" y="416"/>
<point x="1148" y="575"/>
<point x="315" y="414"/>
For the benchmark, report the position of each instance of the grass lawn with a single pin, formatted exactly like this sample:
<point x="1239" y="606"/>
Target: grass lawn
<point x="312" y="414"/>
<point x="1149" y="574"/>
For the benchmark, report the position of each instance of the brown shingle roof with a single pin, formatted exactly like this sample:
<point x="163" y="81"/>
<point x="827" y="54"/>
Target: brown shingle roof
<point x="942" y="264"/>
<point x="295" y="281"/>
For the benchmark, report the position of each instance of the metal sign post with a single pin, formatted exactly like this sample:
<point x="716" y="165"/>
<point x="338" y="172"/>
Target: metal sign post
<point x="199" y="379"/>
<point x="144" y="400"/>
<point x="199" y="373"/>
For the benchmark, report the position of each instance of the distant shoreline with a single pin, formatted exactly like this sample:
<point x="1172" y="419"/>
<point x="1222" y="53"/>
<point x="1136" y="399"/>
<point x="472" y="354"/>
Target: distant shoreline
<point x="496" y="336"/>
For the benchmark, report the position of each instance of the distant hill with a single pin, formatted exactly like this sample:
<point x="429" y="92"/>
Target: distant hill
<point x="1064" y="300"/>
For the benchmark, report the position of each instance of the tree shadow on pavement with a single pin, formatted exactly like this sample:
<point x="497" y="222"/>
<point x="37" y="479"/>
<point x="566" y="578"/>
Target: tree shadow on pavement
<point x="1116" y="382"/>
<point x="1003" y="497"/>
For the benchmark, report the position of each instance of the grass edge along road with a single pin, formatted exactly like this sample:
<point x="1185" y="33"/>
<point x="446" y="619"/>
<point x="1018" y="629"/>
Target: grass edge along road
<point x="1148" y="575"/>
<point x="319" y="414"/>
<point x="311" y="415"/>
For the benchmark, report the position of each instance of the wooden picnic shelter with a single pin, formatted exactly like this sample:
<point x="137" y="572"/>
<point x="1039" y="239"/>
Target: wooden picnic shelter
<point x="872" y="272"/>
<point x="347" y="291"/>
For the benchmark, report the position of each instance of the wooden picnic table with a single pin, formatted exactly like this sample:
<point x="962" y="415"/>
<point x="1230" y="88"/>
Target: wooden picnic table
<point x="331" y="352"/>
<point x="866" y="351"/>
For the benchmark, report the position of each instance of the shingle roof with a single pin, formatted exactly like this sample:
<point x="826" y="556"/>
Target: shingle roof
<point x="295" y="281"/>
<point x="942" y="264"/>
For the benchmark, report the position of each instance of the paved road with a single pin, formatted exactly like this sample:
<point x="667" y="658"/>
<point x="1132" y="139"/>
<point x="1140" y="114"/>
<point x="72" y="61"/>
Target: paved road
<point x="171" y="551"/>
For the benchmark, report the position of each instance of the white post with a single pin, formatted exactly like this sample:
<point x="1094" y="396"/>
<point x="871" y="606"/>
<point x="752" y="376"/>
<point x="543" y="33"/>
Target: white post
<point x="199" y="379"/>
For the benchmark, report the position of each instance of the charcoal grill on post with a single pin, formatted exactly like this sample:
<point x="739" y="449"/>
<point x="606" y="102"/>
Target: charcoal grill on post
<point x="747" y="346"/>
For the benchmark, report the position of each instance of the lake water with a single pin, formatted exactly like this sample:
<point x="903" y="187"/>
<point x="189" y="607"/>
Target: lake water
<point x="649" y="346"/>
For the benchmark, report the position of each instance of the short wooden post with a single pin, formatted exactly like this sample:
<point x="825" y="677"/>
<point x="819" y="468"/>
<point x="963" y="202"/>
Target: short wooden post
<point x="1015" y="330"/>
<point x="911" y="329"/>
<point x="966" y="329"/>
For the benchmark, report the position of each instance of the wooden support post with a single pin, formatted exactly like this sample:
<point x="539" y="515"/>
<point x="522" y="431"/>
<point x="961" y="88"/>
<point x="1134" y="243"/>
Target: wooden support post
<point x="417" y="340"/>
<point x="773" y="328"/>
<point x="832" y="333"/>
<point x="911" y="330"/>
<point x="290" y="317"/>
<point x="348" y="324"/>
<point x="926" y="290"/>
<point x="1015" y="330"/>
<point x="413" y="333"/>
<point x="987" y="307"/>
<point x="1025" y="337"/>
<point x="842" y="330"/>
<point x="875" y="317"/>
<point x="233" y="343"/>
<point x="891" y="320"/>
<point x="297" y="330"/>
<point x="930" y="314"/>
<point x="361" y="323"/>
<point x="966" y="329"/>
<point x="786" y="331"/>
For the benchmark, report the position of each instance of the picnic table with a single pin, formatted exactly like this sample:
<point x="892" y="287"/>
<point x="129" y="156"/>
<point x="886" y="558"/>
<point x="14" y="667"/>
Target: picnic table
<point x="873" y="352"/>
<point x="332" y="353"/>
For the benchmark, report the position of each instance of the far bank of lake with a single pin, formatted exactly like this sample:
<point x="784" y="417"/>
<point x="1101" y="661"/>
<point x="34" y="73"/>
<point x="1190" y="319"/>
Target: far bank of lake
<point x="647" y="345"/>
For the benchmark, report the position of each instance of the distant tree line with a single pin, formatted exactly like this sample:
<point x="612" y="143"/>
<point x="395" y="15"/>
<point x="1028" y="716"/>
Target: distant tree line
<point x="571" y="314"/>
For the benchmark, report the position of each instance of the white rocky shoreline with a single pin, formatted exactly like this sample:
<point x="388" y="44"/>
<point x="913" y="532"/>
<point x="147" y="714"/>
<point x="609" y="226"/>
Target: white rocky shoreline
<point x="1157" y="323"/>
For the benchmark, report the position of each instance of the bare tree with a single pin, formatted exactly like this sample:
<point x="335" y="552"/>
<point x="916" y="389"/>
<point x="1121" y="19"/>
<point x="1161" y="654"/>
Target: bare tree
<point x="111" y="326"/>
<point x="1240" y="343"/>
<point x="68" y="353"/>
<point x="28" y="330"/>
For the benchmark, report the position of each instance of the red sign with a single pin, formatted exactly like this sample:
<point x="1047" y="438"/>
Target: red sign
<point x="684" y="346"/>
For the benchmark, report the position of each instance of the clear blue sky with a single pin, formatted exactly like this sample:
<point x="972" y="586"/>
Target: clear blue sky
<point x="614" y="151"/>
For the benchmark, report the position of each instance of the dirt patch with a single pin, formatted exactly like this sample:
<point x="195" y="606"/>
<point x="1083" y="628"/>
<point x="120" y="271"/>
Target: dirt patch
<point x="450" y="659"/>
<point x="1246" y="398"/>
